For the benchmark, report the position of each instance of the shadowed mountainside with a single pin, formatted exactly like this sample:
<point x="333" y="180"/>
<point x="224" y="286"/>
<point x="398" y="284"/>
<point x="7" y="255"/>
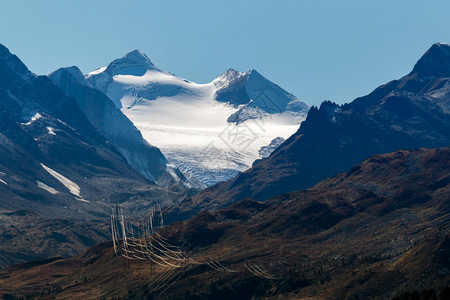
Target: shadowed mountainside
<point x="369" y="233"/>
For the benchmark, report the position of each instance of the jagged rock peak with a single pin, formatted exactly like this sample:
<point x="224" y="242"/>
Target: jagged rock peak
<point x="13" y="63"/>
<point x="73" y="70"/>
<point x="435" y="62"/>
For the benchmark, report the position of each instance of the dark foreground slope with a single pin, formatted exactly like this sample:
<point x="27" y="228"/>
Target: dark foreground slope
<point x="27" y="236"/>
<point x="379" y="229"/>
<point x="408" y="113"/>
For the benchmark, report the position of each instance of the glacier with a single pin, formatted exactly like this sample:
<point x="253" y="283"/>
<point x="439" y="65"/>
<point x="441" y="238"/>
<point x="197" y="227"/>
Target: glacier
<point x="210" y="131"/>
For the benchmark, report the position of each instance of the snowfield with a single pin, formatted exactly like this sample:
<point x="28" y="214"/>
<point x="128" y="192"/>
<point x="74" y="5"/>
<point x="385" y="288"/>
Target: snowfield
<point x="187" y="122"/>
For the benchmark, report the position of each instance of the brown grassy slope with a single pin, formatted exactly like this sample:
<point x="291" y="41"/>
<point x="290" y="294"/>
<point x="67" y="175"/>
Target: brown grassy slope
<point x="27" y="236"/>
<point x="376" y="230"/>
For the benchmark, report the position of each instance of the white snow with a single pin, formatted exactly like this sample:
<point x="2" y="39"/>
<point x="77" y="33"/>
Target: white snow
<point x="51" y="131"/>
<point x="47" y="188"/>
<point x="151" y="76"/>
<point x="82" y="200"/>
<point x="99" y="70"/>
<point x="33" y="118"/>
<point x="73" y="188"/>
<point x="184" y="125"/>
<point x="1" y="180"/>
<point x="183" y="119"/>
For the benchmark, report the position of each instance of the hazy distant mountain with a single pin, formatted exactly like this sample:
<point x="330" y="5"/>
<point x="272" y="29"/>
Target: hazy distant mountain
<point x="210" y="131"/>
<point x="411" y="112"/>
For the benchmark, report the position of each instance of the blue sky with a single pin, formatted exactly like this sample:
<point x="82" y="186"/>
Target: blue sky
<point x="317" y="50"/>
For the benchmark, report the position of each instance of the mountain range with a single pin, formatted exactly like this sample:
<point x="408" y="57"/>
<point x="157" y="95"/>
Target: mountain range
<point x="353" y="205"/>
<point x="53" y="161"/>
<point x="68" y="153"/>
<point x="411" y="112"/>
<point x="195" y="125"/>
<point x="114" y="126"/>
<point x="58" y="164"/>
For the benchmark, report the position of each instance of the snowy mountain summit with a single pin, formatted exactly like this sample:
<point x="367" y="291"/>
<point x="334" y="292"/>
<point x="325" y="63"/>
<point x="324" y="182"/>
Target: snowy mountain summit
<point x="134" y="63"/>
<point x="210" y="131"/>
<point x="255" y="96"/>
<point x="239" y="88"/>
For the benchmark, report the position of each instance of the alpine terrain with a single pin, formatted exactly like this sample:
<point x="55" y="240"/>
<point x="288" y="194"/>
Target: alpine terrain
<point x="117" y="128"/>
<point x="411" y="112"/>
<point x="378" y="230"/>
<point x="334" y="202"/>
<point x="209" y="131"/>
<point x="57" y="168"/>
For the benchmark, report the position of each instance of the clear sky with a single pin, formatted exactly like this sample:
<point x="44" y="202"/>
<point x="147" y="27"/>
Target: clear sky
<point x="317" y="50"/>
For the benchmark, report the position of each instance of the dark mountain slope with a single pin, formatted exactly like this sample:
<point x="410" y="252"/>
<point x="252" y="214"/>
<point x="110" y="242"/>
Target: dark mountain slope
<point x="411" y="112"/>
<point x="52" y="160"/>
<point x="55" y="165"/>
<point x="381" y="228"/>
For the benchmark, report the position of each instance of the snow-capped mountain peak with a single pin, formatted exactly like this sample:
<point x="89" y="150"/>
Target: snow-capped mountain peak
<point x="185" y="119"/>
<point x="133" y="63"/>
<point x="138" y="57"/>
<point x="228" y="75"/>
<point x="241" y="88"/>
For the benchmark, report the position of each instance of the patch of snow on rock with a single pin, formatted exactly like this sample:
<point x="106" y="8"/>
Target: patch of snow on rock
<point x="51" y="131"/>
<point x="47" y="188"/>
<point x="70" y="185"/>
<point x="33" y="118"/>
